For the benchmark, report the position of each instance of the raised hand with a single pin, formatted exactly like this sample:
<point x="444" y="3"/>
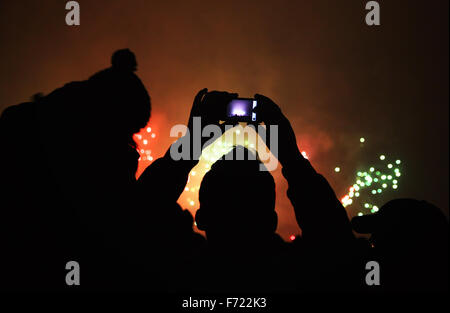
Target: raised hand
<point x="270" y="113"/>
<point x="210" y="107"/>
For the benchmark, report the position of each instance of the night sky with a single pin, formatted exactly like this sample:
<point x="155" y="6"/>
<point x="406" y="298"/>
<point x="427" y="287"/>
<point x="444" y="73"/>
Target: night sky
<point x="335" y="78"/>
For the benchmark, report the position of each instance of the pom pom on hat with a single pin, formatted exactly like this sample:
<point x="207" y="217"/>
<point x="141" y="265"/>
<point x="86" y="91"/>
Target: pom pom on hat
<point x="124" y="60"/>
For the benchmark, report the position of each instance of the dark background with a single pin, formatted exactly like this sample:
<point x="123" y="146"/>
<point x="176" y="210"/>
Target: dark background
<point x="336" y="78"/>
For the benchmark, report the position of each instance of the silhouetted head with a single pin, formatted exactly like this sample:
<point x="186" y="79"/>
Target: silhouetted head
<point x="237" y="201"/>
<point x="118" y="96"/>
<point x="420" y="222"/>
<point x="410" y="237"/>
<point x="104" y="111"/>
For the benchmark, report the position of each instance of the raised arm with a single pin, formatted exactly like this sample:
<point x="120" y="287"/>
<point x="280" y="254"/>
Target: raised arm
<point x="166" y="177"/>
<point x="319" y="213"/>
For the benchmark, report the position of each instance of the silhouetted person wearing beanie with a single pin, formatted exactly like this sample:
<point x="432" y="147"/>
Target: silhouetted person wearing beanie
<point x="68" y="167"/>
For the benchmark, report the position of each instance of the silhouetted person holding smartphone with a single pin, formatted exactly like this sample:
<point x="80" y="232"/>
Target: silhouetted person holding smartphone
<point x="245" y="221"/>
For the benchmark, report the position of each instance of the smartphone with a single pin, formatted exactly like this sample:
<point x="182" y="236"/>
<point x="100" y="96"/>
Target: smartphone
<point x="241" y="110"/>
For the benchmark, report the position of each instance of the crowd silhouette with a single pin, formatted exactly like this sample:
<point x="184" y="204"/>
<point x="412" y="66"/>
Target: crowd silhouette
<point x="75" y="201"/>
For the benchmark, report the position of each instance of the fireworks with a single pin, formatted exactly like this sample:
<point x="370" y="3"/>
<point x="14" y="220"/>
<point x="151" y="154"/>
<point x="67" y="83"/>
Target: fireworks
<point x="143" y="140"/>
<point x="370" y="184"/>
<point x="366" y="192"/>
<point x="212" y="153"/>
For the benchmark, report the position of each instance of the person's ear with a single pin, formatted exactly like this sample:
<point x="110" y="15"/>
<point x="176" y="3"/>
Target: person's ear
<point x="200" y="219"/>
